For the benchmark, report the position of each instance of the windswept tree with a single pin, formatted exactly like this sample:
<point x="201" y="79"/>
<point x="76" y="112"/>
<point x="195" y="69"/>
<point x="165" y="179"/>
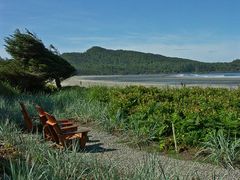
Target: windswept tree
<point x="12" y="72"/>
<point x="35" y="58"/>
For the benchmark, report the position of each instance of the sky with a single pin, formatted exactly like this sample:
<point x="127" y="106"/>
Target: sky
<point x="204" y="30"/>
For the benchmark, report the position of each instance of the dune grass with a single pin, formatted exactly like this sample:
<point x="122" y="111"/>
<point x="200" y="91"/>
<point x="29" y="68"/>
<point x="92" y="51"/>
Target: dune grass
<point x="36" y="159"/>
<point x="41" y="161"/>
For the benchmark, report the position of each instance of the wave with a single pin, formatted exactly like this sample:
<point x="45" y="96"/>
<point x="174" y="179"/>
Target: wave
<point x="210" y="75"/>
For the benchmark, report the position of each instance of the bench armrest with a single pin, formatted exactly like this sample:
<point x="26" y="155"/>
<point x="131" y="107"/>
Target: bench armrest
<point x="69" y="128"/>
<point x="64" y="124"/>
<point x="80" y="131"/>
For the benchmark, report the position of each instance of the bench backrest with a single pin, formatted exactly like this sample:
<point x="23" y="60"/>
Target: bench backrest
<point x="48" y="130"/>
<point x="54" y="128"/>
<point x="40" y="110"/>
<point x="41" y="114"/>
<point x="26" y="117"/>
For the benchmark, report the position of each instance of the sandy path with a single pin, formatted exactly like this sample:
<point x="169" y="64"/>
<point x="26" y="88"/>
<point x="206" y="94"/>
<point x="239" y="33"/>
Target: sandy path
<point x="106" y="147"/>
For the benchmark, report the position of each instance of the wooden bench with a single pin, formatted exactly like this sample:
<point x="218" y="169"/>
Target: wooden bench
<point x="65" y="125"/>
<point x="65" y="137"/>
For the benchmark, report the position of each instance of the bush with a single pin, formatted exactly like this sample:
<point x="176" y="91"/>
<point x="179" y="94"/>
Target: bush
<point x="194" y="112"/>
<point x="50" y="87"/>
<point x="16" y="75"/>
<point x="7" y="90"/>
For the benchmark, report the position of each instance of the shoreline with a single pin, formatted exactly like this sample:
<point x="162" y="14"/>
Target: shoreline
<point x="84" y="82"/>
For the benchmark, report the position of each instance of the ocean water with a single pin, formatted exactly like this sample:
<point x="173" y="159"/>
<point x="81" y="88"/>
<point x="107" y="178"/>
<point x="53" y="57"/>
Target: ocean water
<point x="209" y="75"/>
<point x="206" y="79"/>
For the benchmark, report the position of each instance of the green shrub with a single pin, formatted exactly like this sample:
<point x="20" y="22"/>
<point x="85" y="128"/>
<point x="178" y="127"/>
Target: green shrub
<point x="98" y="93"/>
<point x="7" y="90"/>
<point x="50" y="87"/>
<point x="194" y="112"/>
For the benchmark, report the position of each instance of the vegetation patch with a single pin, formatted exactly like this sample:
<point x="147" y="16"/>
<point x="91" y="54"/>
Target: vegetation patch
<point x="147" y="115"/>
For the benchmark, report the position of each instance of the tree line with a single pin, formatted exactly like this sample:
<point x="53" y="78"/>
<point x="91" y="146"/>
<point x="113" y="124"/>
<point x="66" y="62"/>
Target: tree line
<point x="100" y="61"/>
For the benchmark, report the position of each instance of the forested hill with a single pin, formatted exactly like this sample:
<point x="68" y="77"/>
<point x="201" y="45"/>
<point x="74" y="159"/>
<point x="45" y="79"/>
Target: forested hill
<point x="100" y="61"/>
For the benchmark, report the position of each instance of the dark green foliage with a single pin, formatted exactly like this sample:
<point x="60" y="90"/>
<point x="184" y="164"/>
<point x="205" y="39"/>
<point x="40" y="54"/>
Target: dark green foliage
<point x="195" y="112"/>
<point x="32" y="58"/>
<point x="12" y="72"/>
<point x="98" y="60"/>
<point x="7" y="90"/>
<point x="24" y="46"/>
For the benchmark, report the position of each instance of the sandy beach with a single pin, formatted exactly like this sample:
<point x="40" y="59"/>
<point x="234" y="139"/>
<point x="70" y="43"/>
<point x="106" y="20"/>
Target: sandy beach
<point x="150" y="81"/>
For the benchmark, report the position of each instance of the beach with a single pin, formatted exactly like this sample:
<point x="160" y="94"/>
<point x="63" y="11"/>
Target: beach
<point x="157" y="80"/>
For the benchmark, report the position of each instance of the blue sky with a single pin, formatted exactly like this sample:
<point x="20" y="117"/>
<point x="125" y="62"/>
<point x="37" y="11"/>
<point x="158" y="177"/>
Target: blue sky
<point x="205" y="30"/>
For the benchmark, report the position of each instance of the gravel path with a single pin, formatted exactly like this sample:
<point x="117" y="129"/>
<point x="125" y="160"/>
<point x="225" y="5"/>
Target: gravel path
<point x="109" y="148"/>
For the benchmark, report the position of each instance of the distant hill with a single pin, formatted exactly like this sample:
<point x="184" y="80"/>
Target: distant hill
<point x="100" y="61"/>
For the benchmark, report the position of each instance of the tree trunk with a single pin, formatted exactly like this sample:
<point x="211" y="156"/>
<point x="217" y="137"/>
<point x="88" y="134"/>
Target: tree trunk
<point x="58" y="83"/>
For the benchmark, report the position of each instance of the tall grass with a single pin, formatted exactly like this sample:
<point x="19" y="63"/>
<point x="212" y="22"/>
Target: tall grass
<point x="65" y="103"/>
<point x="222" y="149"/>
<point x="40" y="160"/>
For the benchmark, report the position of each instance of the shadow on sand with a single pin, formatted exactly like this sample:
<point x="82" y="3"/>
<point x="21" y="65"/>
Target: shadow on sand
<point x="94" y="146"/>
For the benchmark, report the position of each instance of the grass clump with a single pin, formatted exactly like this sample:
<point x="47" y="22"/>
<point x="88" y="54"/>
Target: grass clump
<point x="222" y="149"/>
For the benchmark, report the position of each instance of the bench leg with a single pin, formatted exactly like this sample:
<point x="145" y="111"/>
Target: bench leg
<point x="83" y="140"/>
